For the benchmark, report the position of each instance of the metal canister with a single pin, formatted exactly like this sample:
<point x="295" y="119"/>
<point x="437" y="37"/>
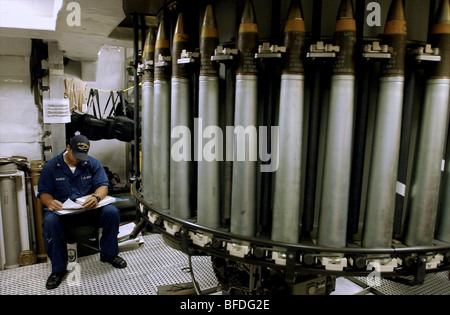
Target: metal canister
<point x="9" y="215"/>
<point x="333" y="215"/>
<point x="38" y="210"/>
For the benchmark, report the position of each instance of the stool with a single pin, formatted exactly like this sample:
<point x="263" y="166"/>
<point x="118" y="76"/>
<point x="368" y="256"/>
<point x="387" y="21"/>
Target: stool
<point x="82" y="230"/>
<point x="87" y="239"/>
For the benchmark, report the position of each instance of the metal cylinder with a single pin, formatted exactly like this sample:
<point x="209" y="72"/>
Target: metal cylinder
<point x="287" y="211"/>
<point x="380" y="203"/>
<point x="38" y="210"/>
<point x="243" y="191"/>
<point x="208" y="170"/>
<point x="147" y="115"/>
<point x="160" y="152"/>
<point x="333" y="215"/>
<point x="147" y="139"/>
<point x="379" y="216"/>
<point x="161" y="145"/>
<point x="243" y="195"/>
<point x="180" y="170"/>
<point x="426" y="177"/>
<point x="230" y="89"/>
<point x="10" y="220"/>
<point x="209" y="189"/>
<point x="337" y="166"/>
<point x="27" y="257"/>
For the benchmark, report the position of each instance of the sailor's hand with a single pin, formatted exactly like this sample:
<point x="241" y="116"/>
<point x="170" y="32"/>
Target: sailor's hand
<point x="90" y="203"/>
<point x="55" y="205"/>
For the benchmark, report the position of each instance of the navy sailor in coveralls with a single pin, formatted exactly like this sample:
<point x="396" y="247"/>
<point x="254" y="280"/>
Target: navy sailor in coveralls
<point x="74" y="174"/>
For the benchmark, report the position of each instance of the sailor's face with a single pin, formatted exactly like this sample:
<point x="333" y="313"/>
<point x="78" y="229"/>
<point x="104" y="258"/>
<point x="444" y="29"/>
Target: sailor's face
<point x="71" y="159"/>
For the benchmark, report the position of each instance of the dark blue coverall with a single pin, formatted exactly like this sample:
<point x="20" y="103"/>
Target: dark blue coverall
<point x="58" y="180"/>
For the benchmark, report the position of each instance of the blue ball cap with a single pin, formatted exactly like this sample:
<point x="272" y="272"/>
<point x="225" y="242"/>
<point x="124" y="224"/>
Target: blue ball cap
<point x="80" y="147"/>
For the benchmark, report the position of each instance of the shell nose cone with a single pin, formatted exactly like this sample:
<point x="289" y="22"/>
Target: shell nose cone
<point x="346" y="10"/>
<point x="161" y="35"/>
<point x="150" y="39"/>
<point x="443" y="16"/>
<point x="248" y="15"/>
<point x="149" y="44"/>
<point x="179" y="27"/>
<point x="396" y="11"/>
<point x="209" y="19"/>
<point x="295" y="10"/>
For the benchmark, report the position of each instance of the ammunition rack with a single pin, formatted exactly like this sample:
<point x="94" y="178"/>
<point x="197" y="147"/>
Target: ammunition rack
<point x="297" y="259"/>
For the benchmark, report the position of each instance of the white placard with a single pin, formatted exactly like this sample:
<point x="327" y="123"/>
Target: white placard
<point x="56" y="111"/>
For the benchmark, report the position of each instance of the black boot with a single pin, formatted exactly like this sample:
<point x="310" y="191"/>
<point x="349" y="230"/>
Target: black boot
<point x="55" y="279"/>
<point x="115" y="261"/>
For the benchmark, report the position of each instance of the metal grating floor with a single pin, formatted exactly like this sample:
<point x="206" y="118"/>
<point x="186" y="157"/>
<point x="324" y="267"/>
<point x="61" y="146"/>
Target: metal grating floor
<point x="151" y="265"/>
<point x="435" y="284"/>
<point x="155" y="264"/>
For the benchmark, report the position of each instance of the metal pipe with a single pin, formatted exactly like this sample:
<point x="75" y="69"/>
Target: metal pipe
<point x="363" y="77"/>
<point x="313" y="128"/>
<point x="338" y="148"/>
<point x="10" y="219"/>
<point x="380" y="203"/>
<point x="269" y="90"/>
<point x="426" y="177"/>
<point x="412" y="80"/>
<point x="143" y="28"/>
<point x="38" y="210"/>
<point x="312" y="150"/>
<point x="137" y="171"/>
<point x="230" y="88"/>
<point x="180" y="170"/>
<point x="359" y="145"/>
<point x="287" y="211"/>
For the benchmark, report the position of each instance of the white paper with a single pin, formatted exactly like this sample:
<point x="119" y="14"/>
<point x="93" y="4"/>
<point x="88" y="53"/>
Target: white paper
<point x="70" y="207"/>
<point x="56" y="111"/>
<point x="125" y="229"/>
<point x="69" y="204"/>
<point x="105" y="201"/>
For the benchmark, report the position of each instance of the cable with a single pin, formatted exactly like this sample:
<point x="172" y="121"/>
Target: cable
<point x="191" y="271"/>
